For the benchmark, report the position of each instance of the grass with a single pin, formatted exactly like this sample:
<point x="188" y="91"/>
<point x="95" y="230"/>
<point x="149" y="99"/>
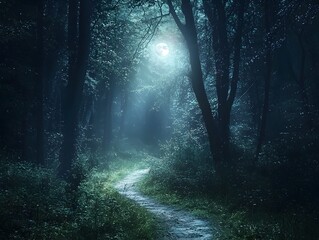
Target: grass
<point x="105" y="214"/>
<point x="109" y="214"/>
<point x="235" y="222"/>
<point x="123" y="164"/>
<point x="34" y="204"/>
<point x="199" y="205"/>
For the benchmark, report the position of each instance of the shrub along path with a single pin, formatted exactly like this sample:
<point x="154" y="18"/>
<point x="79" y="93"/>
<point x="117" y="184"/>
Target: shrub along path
<point x="178" y="224"/>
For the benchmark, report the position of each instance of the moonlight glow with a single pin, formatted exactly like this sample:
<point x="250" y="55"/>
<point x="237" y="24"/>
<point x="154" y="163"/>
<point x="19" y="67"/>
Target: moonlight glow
<point x="162" y="49"/>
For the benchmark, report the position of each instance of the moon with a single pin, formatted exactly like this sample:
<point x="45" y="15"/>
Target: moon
<point x="162" y="49"/>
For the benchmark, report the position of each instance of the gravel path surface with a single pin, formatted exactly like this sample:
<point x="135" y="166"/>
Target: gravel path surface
<point x="178" y="224"/>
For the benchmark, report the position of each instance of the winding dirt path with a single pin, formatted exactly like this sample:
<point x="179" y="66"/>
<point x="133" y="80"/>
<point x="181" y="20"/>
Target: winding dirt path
<point x="178" y="224"/>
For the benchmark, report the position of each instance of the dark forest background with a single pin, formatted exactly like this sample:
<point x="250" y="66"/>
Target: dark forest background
<point x="232" y="115"/>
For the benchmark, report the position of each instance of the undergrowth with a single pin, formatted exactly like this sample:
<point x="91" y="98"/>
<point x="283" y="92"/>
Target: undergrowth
<point x="104" y="214"/>
<point x="35" y="204"/>
<point x="245" y="207"/>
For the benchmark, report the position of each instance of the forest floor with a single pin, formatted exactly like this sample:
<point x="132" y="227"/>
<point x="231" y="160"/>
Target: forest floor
<point x="196" y="215"/>
<point x="175" y="223"/>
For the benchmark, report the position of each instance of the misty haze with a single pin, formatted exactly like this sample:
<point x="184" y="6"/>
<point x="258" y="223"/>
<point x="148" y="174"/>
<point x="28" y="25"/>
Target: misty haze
<point x="159" y="120"/>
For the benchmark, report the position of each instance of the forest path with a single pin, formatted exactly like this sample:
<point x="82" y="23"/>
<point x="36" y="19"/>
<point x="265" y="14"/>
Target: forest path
<point x="178" y="224"/>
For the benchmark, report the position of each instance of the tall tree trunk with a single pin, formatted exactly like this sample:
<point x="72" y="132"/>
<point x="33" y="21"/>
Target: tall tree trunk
<point x="265" y="109"/>
<point x="57" y="10"/>
<point x="190" y="34"/>
<point x="124" y="106"/>
<point x="302" y="88"/>
<point x="314" y="59"/>
<point x="75" y="85"/>
<point x="217" y="128"/>
<point x="107" y="134"/>
<point x="39" y="84"/>
<point x="215" y="13"/>
<point x="225" y="124"/>
<point x="226" y="87"/>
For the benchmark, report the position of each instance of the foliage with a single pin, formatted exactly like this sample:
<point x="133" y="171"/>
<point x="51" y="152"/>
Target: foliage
<point x="256" y="202"/>
<point x="150" y="100"/>
<point x="34" y="204"/>
<point x="124" y="162"/>
<point x="244" y="208"/>
<point x="104" y="214"/>
<point x="185" y="167"/>
<point x="290" y="168"/>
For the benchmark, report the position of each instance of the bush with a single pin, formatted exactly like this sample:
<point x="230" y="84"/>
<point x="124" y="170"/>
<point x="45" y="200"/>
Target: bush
<point x="33" y="203"/>
<point x="105" y="214"/>
<point x="274" y="198"/>
<point x="185" y="167"/>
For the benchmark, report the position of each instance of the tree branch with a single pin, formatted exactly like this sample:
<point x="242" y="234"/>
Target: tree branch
<point x="237" y="48"/>
<point x="172" y="11"/>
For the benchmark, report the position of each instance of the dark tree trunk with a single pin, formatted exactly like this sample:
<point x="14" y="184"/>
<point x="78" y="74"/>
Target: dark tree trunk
<point x="57" y="10"/>
<point x="124" y="106"/>
<point x="268" y="63"/>
<point x="190" y="34"/>
<point x="226" y="109"/>
<point x="107" y="133"/>
<point x="302" y="88"/>
<point x="39" y="85"/>
<point x="217" y="128"/>
<point x="72" y="35"/>
<point x="215" y="13"/>
<point x="75" y="85"/>
<point x="226" y="87"/>
<point x="88" y="111"/>
<point x="25" y="126"/>
<point x="314" y="59"/>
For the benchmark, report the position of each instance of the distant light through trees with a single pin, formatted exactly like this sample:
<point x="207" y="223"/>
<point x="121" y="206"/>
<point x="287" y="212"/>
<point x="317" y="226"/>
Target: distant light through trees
<point x="162" y="49"/>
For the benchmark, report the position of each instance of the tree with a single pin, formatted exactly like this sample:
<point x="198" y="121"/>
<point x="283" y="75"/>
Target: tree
<point x="301" y="81"/>
<point x="268" y="65"/>
<point x="226" y="86"/>
<point x="78" y="62"/>
<point x="280" y="26"/>
<point x="217" y="126"/>
<point x="39" y="83"/>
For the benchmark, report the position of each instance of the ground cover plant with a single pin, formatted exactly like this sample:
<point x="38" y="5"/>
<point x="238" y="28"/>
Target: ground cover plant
<point x="35" y="204"/>
<point x="242" y="208"/>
